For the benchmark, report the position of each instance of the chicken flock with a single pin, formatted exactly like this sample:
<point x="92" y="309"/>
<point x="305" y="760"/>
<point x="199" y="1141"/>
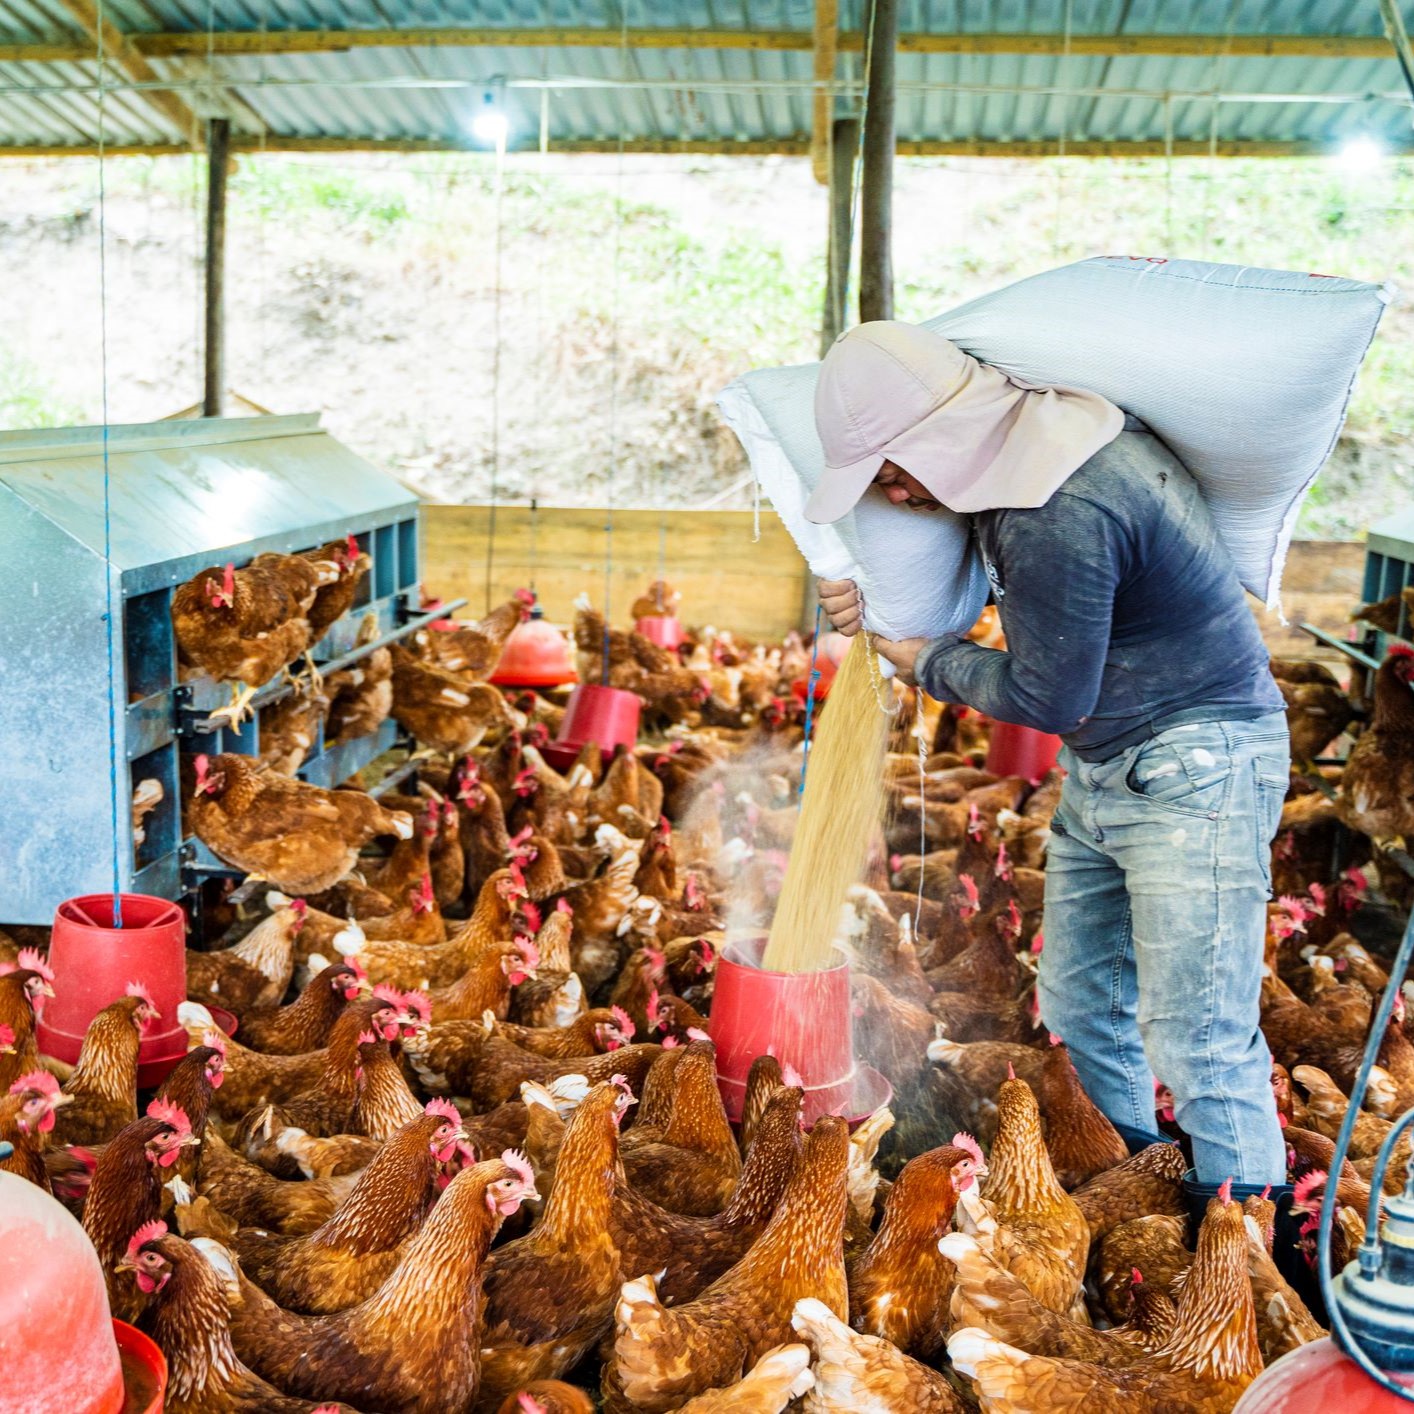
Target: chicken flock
<point x="466" y="1150"/>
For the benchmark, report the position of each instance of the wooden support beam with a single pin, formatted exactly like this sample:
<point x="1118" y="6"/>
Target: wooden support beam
<point x="798" y="146"/>
<point x="844" y="146"/>
<point x="822" y="112"/>
<point x="325" y="41"/>
<point x="120" y="51"/>
<point x="218" y="162"/>
<point x="876" y="177"/>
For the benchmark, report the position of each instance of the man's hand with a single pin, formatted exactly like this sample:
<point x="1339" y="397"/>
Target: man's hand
<point x="902" y="653"/>
<point x="840" y="600"/>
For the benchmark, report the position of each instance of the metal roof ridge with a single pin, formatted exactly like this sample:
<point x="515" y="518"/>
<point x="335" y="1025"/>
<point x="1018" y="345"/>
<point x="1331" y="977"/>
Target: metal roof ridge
<point x="53" y="443"/>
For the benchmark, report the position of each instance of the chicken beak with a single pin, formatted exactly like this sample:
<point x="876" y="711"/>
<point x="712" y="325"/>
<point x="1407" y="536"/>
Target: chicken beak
<point x="61" y="1099"/>
<point x="124" y="1265"/>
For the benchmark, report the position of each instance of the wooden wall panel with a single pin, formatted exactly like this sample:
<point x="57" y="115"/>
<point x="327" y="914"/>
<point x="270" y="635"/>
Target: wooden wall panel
<point x="757" y="589"/>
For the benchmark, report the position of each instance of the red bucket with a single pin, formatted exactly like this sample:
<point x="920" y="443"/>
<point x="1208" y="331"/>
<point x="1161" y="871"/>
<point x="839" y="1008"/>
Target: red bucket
<point x="93" y="963"/>
<point x="662" y="629"/>
<point x="605" y="715"/>
<point x="144" y="1370"/>
<point x="1021" y="751"/>
<point x="536" y="655"/>
<point x="804" y="1019"/>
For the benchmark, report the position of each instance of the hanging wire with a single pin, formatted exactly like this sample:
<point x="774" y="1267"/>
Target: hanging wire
<point x="1060" y="141"/>
<point x="1168" y="172"/>
<point x="109" y="615"/>
<point x="614" y="346"/>
<point x="495" y="365"/>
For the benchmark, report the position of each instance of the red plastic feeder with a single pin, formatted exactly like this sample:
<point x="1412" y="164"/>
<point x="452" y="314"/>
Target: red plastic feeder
<point x="58" y="1352"/>
<point x="93" y="963"/>
<point x="536" y="655"/>
<point x="605" y="715"/>
<point x="1021" y="751"/>
<point x="805" y="1020"/>
<point x="662" y="629"/>
<point x="800" y="688"/>
<point x="144" y="1370"/>
<point x="1319" y="1376"/>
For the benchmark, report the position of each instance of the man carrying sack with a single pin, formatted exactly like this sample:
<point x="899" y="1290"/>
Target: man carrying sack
<point x="1129" y="636"/>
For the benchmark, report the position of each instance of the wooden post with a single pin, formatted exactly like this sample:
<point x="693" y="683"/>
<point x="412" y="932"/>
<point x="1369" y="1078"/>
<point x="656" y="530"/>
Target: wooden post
<point x="876" y="274"/>
<point x="844" y="143"/>
<point x="825" y="39"/>
<point x="218" y="150"/>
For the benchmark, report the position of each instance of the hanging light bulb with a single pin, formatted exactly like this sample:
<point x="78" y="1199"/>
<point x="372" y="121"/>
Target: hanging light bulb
<point x="490" y="125"/>
<point x="1361" y="154"/>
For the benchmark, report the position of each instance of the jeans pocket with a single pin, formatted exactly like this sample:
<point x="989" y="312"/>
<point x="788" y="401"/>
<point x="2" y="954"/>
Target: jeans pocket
<point x="1192" y="779"/>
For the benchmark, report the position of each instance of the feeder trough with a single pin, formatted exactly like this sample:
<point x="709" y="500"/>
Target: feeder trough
<point x="1021" y="751"/>
<point x="95" y="959"/>
<point x="144" y="1370"/>
<point x="607" y="716"/>
<point x="536" y="654"/>
<point x="804" y="1019"/>
<point x="663" y="629"/>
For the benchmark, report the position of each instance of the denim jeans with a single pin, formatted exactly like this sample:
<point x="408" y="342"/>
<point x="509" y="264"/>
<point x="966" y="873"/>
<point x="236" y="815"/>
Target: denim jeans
<point x="1157" y="879"/>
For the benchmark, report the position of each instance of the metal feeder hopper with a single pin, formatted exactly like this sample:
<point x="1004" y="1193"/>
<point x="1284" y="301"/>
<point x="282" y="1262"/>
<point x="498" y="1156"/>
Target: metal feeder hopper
<point x="183" y="496"/>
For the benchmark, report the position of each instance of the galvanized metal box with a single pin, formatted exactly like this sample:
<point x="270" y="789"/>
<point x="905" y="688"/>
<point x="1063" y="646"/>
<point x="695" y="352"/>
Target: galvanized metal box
<point x="91" y="517"/>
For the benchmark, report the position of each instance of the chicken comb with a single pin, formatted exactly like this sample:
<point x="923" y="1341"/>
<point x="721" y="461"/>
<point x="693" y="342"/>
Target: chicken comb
<point x="419" y="1002"/>
<point x="520" y="837"/>
<point x="41" y="1081"/>
<point x="443" y="1109"/>
<point x="791" y="1076"/>
<point x="969" y="889"/>
<point x="1317" y="894"/>
<point x="1013" y="920"/>
<point x="1225" y="1192"/>
<point x="1136" y="1277"/>
<point x="1266" y="1193"/>
<point x="1038" y="943"/>
<point x="169" y="1113"/>
<point x="299" y="908"/>
<point x="1305" y="1187"/>
<point x="386" y="992"/>
<point x="969" y="1146"/>
<point x="32" y="960"/>
<point x="1400" y="650"/>
<point x="216" y="1040"/>
<point x="423" y="899"/>
<point x="138" y="990"/>
<point x="1002" y="868"/>
<point x="351" y="547"/>
<point x="514" y="1159"/>
<point x="620" y="1082"/>
<point x="527" y="1402"/>
<point x="366" y="1037"/>
<point x="7" y="1037"/>
<point x="624" y="1022"/>
<point x="657" y="960"/>
<point x="655" y="1022"/>
<point x="148" y="1232"/>
<point x="670" y="1043"/>
<point x="564" y="906"/>
<point x="1010" y="1071"/>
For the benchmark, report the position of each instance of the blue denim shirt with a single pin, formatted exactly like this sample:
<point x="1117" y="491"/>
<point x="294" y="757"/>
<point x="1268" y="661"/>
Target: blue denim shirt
<point x="1121" y="607"/>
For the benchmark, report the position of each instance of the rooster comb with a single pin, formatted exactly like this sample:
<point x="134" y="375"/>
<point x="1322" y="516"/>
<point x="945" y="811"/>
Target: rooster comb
<point x="514" y="1159"/>
<point x="386" y="992"/>
<point x="139" y="990"/>
<point x="419" y="1002"/>
<point x="1136" y="1277"/>
<point x="39" y="1080"/>
<point x="1225" y="1192"/>
<point x="148" y="1232"/>
<point x="565" y="906"/>
<point x="32" y="960"/>
<point x="366" y="1038"/>
<point x="1306" y="1186"/>
<point x="216" y="1040"/>
<point x="443" y="1109"/>
<point x="969" y="1146"/>
<point x="169" y="1113"/>
<point x="624" y="1022"/>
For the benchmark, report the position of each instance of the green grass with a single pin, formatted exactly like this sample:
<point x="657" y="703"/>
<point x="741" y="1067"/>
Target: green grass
<point x="26" y="400"/>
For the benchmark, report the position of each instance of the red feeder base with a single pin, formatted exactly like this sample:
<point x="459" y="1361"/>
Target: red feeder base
<point x="804" y="1019"/>
<point x="93" y="963"/>
<point x="1319" y="1376"/>
<point x="662" y="629"/>
<point x="1021" y="751"/>
<point x="607" y="716"/>
<point x="144" y="1370"/>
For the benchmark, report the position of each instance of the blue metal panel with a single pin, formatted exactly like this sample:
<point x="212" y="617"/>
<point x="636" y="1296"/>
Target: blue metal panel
<point x="184" y="495"/>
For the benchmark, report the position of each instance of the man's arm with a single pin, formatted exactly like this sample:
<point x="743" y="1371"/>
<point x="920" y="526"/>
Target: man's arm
<point x="1063" y="564"/>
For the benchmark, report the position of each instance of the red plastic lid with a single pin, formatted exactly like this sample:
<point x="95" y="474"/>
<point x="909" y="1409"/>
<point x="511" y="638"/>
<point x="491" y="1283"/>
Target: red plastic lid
<point x="662" y="629"/>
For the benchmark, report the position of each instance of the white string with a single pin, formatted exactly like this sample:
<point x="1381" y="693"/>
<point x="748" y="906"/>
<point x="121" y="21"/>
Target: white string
<point x="1060" y="143"/>
<point x="919" y="733"/>
<point x="109" y="615"/>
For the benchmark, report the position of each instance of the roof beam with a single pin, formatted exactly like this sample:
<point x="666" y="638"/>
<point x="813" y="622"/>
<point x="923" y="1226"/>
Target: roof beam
<point x="822" y="112"/>
<point x="768" y="147"/>
<point x="117" y="48"/>
<point x="163" y="45"/>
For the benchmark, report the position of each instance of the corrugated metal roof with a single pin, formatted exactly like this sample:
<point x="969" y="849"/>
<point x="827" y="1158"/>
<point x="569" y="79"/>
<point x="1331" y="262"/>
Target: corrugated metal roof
<point x="606" y="94"/>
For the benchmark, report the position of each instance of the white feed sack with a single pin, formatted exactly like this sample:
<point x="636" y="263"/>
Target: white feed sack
<point x="1245" y="373"/>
